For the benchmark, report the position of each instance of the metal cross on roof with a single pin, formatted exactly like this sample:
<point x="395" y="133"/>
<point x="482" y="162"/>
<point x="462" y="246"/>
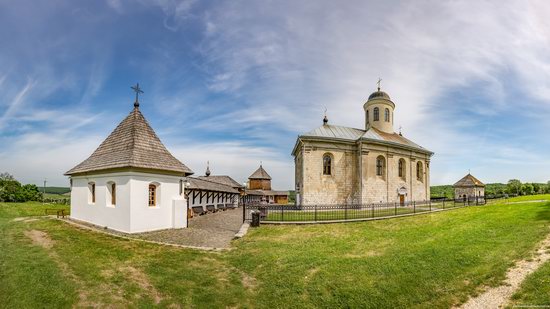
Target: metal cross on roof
<point x="137" y="91"/>
<point x="379" y="80"/>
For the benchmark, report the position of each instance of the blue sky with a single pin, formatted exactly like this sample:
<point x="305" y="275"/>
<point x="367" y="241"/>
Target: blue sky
<point x="235" y="82"/>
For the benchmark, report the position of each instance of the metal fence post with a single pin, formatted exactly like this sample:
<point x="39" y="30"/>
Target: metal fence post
<point x="444" y="203"/>
<point x="430" y="202"/>
<point x="282" y="213"/>
<point x="414" y="206"/>
<point x="315" y="213"/>
<point x="395" y="208"/>
<point x="373" y="210"/>
<point x="346" y="212"/>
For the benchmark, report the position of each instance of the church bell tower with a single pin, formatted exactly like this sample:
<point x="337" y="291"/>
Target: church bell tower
<point x="379" y="111"/>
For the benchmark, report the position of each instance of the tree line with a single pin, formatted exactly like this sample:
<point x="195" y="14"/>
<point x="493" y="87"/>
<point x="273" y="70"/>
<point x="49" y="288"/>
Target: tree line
<point x="12" y="190"/>
<point x="512" y="187"/>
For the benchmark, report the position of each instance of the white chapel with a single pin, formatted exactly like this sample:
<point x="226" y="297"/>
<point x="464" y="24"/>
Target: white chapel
<point x="131" y="182"/>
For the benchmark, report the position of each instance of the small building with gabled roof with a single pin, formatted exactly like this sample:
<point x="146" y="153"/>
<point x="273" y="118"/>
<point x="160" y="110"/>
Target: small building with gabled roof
<point x="469" y="188"/>
<point x="131" y="182"/>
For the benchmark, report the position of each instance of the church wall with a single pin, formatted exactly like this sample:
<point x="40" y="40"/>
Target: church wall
<point x="338" y="188"/>
<point x="469" y="192"/>
<point x="102" y="213"/>
<point x="384" y="189"/>
<point x="144" y="218"/>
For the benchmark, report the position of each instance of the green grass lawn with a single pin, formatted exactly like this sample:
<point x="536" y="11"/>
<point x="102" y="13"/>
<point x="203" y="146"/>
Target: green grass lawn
<point x="535" y="197"/>
<point x="429" y="261"/>
<point x="535" y="290"/>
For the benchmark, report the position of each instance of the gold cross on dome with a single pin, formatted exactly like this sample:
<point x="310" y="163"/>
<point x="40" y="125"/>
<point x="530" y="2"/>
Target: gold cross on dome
<point x="379" y="80"/>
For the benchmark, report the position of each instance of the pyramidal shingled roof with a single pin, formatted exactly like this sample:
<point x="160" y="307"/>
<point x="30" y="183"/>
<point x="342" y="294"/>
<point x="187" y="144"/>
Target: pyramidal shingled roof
<point x="135" y="144"/>
<point x="469" y="181"/>
<point x="260" y="173"/>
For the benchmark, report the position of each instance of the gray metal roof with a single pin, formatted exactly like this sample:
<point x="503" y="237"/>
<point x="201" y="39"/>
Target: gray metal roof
<point x="353" y="134"/>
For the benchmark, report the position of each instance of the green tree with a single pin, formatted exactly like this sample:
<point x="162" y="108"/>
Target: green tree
<point x="12" y="191"/>
<point x="514" y="186"/>
<point x="527" y="189"/>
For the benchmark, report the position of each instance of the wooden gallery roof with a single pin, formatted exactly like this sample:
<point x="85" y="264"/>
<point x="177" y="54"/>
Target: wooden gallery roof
<point x="133" y="144"/>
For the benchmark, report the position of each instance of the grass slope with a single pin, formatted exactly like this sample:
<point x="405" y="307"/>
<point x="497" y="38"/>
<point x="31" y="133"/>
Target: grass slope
<point x="535" y="290"/>
<point x="428" y="261"/>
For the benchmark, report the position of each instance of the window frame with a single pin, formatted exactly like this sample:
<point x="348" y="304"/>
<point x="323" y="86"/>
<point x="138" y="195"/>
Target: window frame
<point x="376" y="112"/>
<point x="327" y="168"/>
<point x="91" y="193"/>
<point x="419" y="171"/>
<point x="154" y="198"/>
<point x="381" y="168"/>
<point x="387" y="115"/>
<point x="402" y="169"/>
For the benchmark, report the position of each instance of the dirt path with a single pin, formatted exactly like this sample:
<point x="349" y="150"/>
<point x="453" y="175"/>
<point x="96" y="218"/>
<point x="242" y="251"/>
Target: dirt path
<point x="498" y="297"/>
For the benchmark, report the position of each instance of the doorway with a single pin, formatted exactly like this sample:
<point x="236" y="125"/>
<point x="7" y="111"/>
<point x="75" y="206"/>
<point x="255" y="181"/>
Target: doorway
<point x="402" y="199"/>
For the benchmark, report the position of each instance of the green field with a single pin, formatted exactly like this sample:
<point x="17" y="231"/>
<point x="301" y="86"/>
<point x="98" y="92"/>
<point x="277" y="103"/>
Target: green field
<point x="431" y="261"/>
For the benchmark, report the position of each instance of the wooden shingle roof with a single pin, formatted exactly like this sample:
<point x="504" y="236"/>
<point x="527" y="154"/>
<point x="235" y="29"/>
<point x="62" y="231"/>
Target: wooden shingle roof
<point x="205" y="185"/>
<point x="222" y="179"/>
<point x="133" y="144"/>
<point x="260" y="173"/>
<point x="469" y="181"/>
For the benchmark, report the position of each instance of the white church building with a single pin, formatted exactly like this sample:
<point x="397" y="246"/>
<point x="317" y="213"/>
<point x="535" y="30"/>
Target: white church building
<point x="131" y="182"/>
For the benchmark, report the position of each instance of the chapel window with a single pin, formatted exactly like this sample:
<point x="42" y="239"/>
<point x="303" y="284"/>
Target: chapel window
<point x="376" y="114"/>
<point x="91" y="192"/>
<point x="327" y="164"/>
<point x="152" y="195"/>
<point x="111" y="190"/>
<point x="387" y="115"/>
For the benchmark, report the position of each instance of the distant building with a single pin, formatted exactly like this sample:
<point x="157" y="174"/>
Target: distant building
<point x="259" y="189"/>
<point x="342" y="165"/>
<point x="469" y="188"/>
<point x="131" y="182"/>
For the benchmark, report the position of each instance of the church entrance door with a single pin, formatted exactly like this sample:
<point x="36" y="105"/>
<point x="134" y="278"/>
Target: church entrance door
<point x="402" y="199"/>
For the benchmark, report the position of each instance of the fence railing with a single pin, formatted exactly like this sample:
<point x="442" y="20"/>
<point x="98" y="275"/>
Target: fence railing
<point x="320" y="213"/>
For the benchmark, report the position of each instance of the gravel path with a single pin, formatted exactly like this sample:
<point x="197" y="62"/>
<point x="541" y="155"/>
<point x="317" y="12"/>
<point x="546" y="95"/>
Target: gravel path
<point x="499" y="296"/>
<point x="211" y="230"/>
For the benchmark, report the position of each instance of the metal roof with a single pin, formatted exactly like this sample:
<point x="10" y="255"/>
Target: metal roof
<point x="353" y="134"/>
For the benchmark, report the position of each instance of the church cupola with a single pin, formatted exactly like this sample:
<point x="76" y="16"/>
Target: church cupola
<point x="379" y="111"/>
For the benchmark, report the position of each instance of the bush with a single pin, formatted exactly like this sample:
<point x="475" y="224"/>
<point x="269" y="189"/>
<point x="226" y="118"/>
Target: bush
<point x="11" y="190"/>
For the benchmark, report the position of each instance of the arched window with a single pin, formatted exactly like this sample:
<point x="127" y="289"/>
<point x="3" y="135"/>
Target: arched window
<point x="376" y="114"/>
<point x="111" y="193"/>
<point x="380" y="166"/>
<point x="327" y="164"/>
<point x="91" y="192"/>
<point x="401" y="169"/>
<point x="367" y="116"/>
<point x="152" y="195"/>
<point x="387" y="115"/>
<point x="419" y="171"/>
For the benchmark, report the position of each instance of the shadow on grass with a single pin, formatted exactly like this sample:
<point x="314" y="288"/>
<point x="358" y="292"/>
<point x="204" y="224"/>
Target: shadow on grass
<point x="543" y="213"/>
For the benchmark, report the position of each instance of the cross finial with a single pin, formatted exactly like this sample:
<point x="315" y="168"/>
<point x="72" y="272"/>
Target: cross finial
<point x="137" y="90"/>
<point x="379" y="80"/>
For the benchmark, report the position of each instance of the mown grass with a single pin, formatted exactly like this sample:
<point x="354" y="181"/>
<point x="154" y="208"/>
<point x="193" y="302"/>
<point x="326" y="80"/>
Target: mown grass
<point x="536" y="197"/>
<point x="535" y="290"/>
<point x="429" y="261"/>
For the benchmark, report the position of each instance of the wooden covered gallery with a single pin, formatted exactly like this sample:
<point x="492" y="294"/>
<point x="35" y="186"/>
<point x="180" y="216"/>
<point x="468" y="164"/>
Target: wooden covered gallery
<point x="211" y="194"/>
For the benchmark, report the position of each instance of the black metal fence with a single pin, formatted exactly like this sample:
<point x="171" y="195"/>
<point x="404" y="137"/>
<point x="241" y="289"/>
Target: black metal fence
<point x="320" y="213"/>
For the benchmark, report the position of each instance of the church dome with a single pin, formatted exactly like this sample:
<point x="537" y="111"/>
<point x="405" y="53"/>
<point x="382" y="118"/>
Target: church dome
<point x="379" y="95"/>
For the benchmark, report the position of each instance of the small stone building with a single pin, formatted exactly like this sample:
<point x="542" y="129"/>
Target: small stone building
<point x="469" y="188"/>
<point x="259" y="189"/>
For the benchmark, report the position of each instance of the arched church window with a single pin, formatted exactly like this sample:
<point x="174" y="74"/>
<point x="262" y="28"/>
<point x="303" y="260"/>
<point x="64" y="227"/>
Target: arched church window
<point x="419" y="171"/>
<point x="376" y="114"/>
<point x="380" y="166"/>
<point x="152" y="195"/>
<point x="91" y="192"/>
<point x="387" y="115"/>
<point x="327" y="164"/>
<point x="367" y="116"/>
<point x="111" y="193"/>
<point x="401" y="169"/>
